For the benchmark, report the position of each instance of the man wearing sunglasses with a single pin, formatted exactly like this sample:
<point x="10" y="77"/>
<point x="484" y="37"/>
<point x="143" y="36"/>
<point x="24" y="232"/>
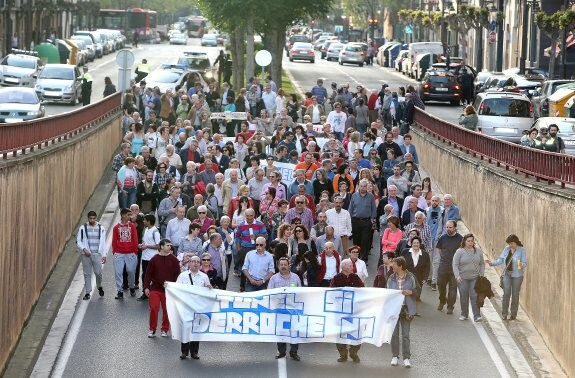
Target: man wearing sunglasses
<point x="258" y="267"/>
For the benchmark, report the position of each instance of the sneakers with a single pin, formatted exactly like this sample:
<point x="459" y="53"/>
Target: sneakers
<point x="462" y="318"/>
<point x="477" y="319"/>
<point x="151" y="334"/>
<point x="132" y="292"/>
<point x="164" y="334"/>
<point x="407" y="363"/>
<point x="120" y="295"/>
<point x="86" y="297"/>
<point x="433" y="287"/>
<point x="101" y="291"/>
<point x="394" y="361"/>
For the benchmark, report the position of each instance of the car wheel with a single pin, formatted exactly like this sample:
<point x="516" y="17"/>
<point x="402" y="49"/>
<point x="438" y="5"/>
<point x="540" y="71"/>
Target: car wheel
<point x="361" y="64"/>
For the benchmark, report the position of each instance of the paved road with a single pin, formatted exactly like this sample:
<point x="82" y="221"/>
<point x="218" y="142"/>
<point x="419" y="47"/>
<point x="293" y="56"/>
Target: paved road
<point x="112" y="335"/>
<point x="371" y="77"/>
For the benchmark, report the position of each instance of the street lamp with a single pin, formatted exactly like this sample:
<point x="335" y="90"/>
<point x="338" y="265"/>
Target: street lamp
<point x="533" y="4"/>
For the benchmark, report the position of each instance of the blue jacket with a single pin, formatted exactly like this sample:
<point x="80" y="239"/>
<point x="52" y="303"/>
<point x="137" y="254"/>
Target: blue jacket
<point x="293" y="188"/>
<point x="121" y="177"/>
<point x="520" y="254"/>
<point x="410" y="283"/>
<point x="320" y="93"/>
<point x="412" y="151"/>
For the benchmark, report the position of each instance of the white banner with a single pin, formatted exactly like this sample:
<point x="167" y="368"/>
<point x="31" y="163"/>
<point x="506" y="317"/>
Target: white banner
<point x="292" y="314"/>
<point x="229" y="115"/>
<point x="286" y="170"/>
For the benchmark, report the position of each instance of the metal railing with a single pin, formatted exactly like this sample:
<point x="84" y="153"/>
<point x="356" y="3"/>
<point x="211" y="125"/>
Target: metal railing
<point x="549" y="166"/>
<point x="24" y="137"/>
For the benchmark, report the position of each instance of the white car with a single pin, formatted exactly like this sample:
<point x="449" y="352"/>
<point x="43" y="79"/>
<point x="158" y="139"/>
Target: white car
<point x="178" y="39"/>
<point x="19" y="70"/>
<point x="59" y="83"/>
<point x="209" y="40"/>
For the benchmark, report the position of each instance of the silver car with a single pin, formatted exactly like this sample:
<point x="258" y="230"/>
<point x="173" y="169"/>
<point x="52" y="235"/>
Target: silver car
<point x="178" y="39"/>
<point x="90" y="47"/>
<point x="566" y="130"/>
<point x="19" y="70"/>
<point x="19" y="104"/>
<point x="333" y="51"/>
<point x="59" y="83"/>
<point x="352" y="54"/>
<point x="302" y="51"/>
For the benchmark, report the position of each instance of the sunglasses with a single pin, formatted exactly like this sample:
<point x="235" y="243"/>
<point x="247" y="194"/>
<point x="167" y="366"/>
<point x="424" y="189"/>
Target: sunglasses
<point x="260" y="245"/>
<point x="201" y="212"/>
<point x="298" y="230"/>
<point x="206" y="260"/>
<point x="299" y="202"/>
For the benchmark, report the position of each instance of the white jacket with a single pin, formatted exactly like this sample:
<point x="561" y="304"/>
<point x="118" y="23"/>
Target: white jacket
<point x="82" y="239"/>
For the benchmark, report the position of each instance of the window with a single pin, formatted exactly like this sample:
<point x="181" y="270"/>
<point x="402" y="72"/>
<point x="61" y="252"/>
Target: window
<point x="505" y="107"/>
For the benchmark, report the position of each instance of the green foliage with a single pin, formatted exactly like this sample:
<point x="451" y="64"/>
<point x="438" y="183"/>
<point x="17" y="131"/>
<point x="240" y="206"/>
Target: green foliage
<point x="567" y="20"/>
<point x="468" y="18"/>
<point x="549" y="24"/>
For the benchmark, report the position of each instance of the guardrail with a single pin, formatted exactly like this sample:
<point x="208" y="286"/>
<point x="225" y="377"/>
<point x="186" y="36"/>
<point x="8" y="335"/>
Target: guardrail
<point x="24" y="137"/>
<point x="539" y="164"/>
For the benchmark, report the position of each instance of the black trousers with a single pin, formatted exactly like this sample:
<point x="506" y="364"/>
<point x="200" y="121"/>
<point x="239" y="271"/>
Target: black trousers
<point x="282" y="347"/>
<point x="192" y="348"/>
<point x="362" y="235"/>
<point x="444" y="279"/>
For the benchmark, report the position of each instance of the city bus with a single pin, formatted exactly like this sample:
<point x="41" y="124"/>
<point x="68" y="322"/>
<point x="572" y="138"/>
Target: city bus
<point x="144" y="21"/>
<point x="196" y="26"/>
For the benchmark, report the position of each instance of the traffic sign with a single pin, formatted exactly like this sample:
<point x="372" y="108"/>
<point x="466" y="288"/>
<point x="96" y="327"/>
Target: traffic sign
<point x="492" y="37"/>
<point x="408" y="29"/>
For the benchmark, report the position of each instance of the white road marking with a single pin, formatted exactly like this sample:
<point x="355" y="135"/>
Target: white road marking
<point x="282" y="367"/>
<point x="497" y="361"/>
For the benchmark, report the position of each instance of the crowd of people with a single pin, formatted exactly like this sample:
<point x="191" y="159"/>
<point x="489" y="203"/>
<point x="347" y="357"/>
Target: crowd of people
<point x="199" y="208"/>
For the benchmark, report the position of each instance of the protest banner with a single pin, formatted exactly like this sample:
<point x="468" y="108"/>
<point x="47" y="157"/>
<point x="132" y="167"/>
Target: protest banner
<point x="229" y="115"/>
<point x="289" y="314"/>
<point x="286" y="170"/>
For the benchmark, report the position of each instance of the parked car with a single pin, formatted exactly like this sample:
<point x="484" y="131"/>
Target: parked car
<point x="422" y="63"/>
<point x="333" y="51"/>
<point x="302" y="51"/>
<point x="209" y="40"/>
<point x="541" y="98"/>
<point x="440" y="86"/>
<point x="19" y="105"/>
<point x="96" y="40"/>
<point x="351" y="54"/>
<point x="88" y="45"/>
<point x="19" y="69"/>
<point x="59" y="83"/>
<point x="566" y="130"/>
<point x="480" y="80"/>
<point x="494" y="82"/>
<point x="526" y="84"/>
<point x="400" y="58"/>
<point x="504" y="115"/>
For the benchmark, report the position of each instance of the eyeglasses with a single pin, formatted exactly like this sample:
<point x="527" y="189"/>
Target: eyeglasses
<point x="260" y="245"/>
<point x="299" y="202"/>
<point x="206" y="259"/>
<point x="373" y="153"/>
<point x="201" y="212"/>
<point x="162" y="167"/>
<point x="298" y="230"/>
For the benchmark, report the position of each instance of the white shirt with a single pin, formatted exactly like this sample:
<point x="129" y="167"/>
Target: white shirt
<point x="177" y="230"/>
<point x="360" y="267"/>
<point x="200" y="279"/>
<point x="341" y="221"/>
<point x="315" y="114"/>
<point x="421" y="203"/>
<point x="151" y="237"/>
<point x="175" y="160"/>
<point x="415" y="256"/>
<point x="337" y="121"/>
<point x="330" y="267"/>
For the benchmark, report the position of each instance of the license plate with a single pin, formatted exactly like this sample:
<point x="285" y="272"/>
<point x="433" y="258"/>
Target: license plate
<point x="50" y="93"/>
<point x="505" y="130"/>
<point x="10" y="80"/>
<point x="441" y="89"/>
<point x="14" y="120"/>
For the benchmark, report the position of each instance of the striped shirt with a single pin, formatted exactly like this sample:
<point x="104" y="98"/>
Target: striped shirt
<point x="245" y="232"/>
<point x="424" y="234"/>
<point x="93" y="237"/>
<point x="306" y="217"/>
<point x="277" y="280"/>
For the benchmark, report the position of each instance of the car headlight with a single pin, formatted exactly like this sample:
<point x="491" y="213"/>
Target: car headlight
<point x="33" y="113"/>
<point x="68" y="88"/>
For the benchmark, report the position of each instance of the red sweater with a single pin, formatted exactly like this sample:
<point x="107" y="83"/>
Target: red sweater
<point x="125" y="238"/>
<point x="161" y="269"/>
<point x="322" y="268"/>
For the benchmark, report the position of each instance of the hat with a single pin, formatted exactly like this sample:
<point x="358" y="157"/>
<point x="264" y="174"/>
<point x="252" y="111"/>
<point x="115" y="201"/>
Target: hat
<point x="543" y="130"/>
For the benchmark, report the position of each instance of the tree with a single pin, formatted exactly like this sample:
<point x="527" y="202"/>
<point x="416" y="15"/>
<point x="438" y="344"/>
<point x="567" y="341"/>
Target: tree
<point x="464" y="20"/>
<point x="551" y="26"/>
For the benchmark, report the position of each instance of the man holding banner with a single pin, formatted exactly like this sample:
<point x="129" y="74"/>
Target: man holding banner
<point x="258" y="266"/>
<point x="285" y="278"/>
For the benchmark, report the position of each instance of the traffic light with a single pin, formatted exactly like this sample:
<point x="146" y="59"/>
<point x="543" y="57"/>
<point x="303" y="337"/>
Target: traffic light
<point x="373" y="22"/>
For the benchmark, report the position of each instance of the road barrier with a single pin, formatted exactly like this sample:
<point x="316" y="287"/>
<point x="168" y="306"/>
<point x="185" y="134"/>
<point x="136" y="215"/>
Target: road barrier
<point x="549" y="166"/>
<point x="24" y="137"/>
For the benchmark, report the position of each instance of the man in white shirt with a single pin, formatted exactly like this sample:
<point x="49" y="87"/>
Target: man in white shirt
<point x="340" y="219"/>
<point x="193" y="276"/>
<point x="337" y="119"/>
<point x="415" y="193"/>
<point x="178" y="228"/>
<point x="150" y="246"/>
<point x="329" y="265"/>
<point x="91" y="240"/>
<point x="269" y="99"/>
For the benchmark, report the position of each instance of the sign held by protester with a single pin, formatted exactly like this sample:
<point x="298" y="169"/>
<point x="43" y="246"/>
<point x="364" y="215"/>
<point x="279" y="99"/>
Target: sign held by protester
<point x="229" y="115"/>
<point x="289" y="314"/>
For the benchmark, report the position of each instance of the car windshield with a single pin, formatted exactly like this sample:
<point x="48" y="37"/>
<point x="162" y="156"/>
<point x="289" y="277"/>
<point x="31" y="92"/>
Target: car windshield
<point x="18" y="97"/>
<point x="16" y="61"/>
<point x="302" y="45"/>
<point x="84" y="38"/>
<point x="61" y="73"/>
<point x="163" y="77"/>
<point x="353" y="48"/>
<point x="336" y="46"/>
<point x="505" y="107"/>
<point x="210" y="36"/>
<point x="197" y="63"/>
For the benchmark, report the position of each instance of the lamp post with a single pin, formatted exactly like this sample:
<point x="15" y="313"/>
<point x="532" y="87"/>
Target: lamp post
<point x="567" y="4"/>
<point x="535" y="7"/>
<point x="499" y="53"/>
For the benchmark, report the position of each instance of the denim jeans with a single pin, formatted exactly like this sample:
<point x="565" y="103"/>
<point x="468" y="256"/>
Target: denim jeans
<point x="443" y="280"/>
<point x="282" y="347"/>
<point x="125" y="200"/>
<point x="467" y="293"/>
<point x="434" y="258"/>
<point x="405" y="328"/>
<point x="511" y="288"/>
<point x="250" y="287"/>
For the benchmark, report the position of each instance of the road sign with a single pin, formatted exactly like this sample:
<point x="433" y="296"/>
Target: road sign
<point x="492" y="37"/>
<point x="263" y="58"/>
<point x="408" y="29"/>
<point x="492" y="25"/>
<point x="125" y="58"/>
<point x="338" y="29"/>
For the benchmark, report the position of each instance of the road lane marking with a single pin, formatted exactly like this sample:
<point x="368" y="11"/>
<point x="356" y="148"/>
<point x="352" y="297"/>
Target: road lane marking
<point x="282" y="367"/>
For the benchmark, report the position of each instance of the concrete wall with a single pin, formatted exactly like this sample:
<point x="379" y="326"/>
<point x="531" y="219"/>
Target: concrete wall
<point x="495" y="203"/>
<point x="42" y="195"/>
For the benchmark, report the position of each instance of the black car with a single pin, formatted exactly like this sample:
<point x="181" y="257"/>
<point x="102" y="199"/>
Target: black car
<point x="440" y="86"/>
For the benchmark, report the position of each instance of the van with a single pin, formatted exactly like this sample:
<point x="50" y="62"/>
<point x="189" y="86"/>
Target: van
<point x="503" y="115"/>
<point x="417" y="48"/>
